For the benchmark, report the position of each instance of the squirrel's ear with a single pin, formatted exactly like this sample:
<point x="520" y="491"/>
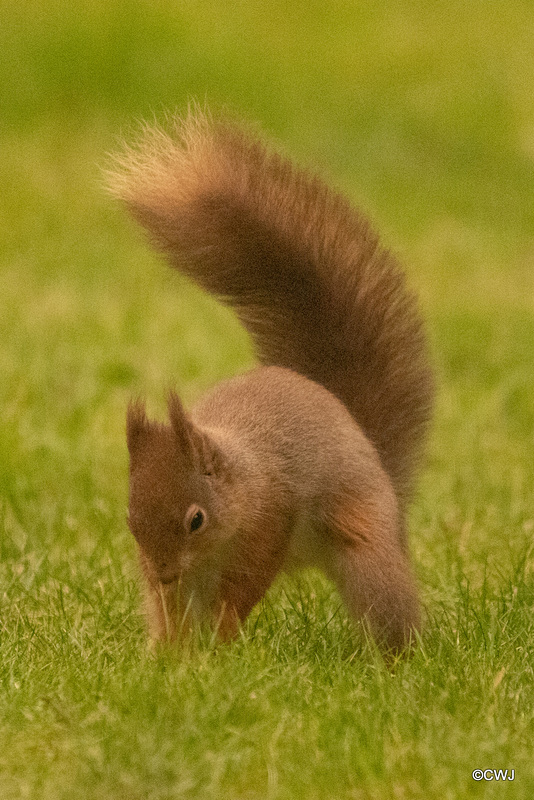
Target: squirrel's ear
<point x="136" y="425"/>
<point x="193" y="443"/>
<point x="180" y="425"/>
<point x="210" y="455"/>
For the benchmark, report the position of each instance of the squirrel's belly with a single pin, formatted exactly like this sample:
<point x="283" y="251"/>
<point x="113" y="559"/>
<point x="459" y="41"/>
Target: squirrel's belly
<point x="307" y="546"/>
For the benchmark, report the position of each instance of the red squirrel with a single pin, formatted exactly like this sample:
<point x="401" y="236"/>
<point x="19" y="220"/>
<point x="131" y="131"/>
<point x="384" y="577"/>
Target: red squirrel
<point x="308" y="459"/>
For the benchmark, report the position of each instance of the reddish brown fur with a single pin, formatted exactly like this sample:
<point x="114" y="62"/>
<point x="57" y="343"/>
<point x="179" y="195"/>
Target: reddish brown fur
<point x="372" y="571"/>
<point x="281" y="470"/>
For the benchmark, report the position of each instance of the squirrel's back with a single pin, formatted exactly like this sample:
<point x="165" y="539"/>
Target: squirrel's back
<point x="293" y="427"/>
<point x="304" y="271"/>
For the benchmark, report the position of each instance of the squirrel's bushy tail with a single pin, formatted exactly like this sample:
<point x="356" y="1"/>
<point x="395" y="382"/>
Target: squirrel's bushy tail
<point x="303" y="270"/>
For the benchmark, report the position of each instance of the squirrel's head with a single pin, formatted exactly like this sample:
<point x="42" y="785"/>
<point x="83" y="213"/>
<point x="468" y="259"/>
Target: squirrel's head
<point x="173" y="510"/>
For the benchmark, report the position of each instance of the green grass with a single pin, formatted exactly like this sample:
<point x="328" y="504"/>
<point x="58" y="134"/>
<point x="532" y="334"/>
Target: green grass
<point x="423" y="113"/>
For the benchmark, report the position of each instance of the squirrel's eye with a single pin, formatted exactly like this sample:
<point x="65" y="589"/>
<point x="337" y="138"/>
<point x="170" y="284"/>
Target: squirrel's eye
<point x="195" y="519"/>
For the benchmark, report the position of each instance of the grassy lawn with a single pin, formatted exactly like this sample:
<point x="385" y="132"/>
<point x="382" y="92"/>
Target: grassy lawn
<point x="424" y="114"/>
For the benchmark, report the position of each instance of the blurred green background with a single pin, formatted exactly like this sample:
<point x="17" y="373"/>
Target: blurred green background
<point x="423" y="113"/>
<point x="424" y="110"/>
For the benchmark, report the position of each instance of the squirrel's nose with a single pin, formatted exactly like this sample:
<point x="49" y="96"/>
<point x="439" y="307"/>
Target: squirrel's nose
<point x="165" y="575"/>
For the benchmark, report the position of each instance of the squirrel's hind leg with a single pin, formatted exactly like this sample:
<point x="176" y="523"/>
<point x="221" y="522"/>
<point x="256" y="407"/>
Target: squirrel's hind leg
<point x="372" y="572"/>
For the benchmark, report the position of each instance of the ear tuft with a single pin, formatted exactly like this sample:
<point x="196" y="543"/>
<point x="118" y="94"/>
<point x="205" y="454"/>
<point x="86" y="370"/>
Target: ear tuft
<point x="180" y="424"/>
<point x="136" y="425"/>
